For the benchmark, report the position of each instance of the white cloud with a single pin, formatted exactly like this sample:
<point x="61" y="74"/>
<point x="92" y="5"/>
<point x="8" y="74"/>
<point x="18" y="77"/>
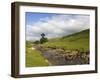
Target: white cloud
<point x="57" y="26"/>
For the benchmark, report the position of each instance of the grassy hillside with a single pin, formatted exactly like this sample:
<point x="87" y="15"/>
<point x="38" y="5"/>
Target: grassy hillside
<point x="79" y="40"/>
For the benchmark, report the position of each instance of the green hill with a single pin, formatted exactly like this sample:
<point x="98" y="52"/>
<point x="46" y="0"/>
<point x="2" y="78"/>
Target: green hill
<point x="79" y="40"/>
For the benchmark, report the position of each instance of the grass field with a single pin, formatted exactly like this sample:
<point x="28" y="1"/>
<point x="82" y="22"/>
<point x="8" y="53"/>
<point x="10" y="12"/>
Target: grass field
<point x="34" y="57"/>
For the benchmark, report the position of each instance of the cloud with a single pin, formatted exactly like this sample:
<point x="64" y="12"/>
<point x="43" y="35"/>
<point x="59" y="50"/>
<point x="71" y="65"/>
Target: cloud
<point x="57" y="26"/>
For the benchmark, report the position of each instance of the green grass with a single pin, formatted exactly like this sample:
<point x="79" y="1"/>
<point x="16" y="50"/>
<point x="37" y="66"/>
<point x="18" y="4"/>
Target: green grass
<point x="34" y="57"/>
<point x="78" y="40"/>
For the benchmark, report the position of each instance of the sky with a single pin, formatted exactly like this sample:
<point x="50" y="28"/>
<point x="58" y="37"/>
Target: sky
<point x="54" y="25"/>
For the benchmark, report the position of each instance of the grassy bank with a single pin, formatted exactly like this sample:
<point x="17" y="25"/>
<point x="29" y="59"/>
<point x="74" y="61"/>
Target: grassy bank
<point x="34" y="57"/>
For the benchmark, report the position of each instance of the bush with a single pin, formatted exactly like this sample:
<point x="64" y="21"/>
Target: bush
<point x="43" y="40"/>
<point x="36" y="42"/>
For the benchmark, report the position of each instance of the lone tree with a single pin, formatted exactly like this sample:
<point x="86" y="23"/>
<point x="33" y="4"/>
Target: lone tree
<point x="43" y="39"/>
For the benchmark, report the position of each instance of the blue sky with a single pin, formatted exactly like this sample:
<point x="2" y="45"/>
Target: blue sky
<point x="54" y="25"/>
<point x="35" y="17"/>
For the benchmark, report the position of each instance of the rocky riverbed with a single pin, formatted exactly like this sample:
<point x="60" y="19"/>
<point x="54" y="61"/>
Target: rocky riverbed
<point x="60" y="56"/>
